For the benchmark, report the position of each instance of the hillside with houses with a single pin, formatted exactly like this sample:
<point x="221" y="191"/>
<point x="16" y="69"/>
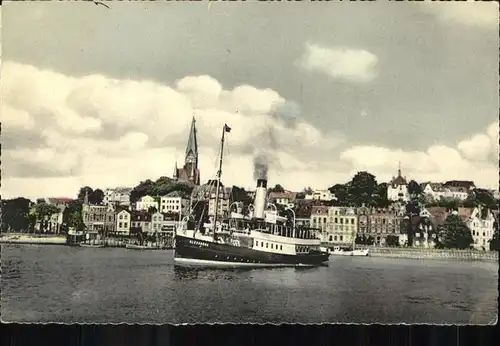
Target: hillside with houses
<point x="454" y="214"/>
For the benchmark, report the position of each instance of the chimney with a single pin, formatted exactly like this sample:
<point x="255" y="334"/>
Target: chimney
<point x="260" y="198"/>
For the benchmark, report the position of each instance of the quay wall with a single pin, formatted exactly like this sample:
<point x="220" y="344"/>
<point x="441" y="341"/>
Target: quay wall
<point x="26" y="239"/>
<point x="438" y="254"/>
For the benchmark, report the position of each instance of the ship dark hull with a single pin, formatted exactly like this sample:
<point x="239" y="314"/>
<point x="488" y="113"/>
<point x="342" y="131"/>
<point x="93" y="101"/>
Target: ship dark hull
<point x="194" y="252"/>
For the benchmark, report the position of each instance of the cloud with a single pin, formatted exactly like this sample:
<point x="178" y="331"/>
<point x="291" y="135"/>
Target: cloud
<point x="475" y="159"/>
<point x="103" y="132"/>
<point x="351" y="65"/>
<point x="474" y="13"/>
<point x="106" y="132"/>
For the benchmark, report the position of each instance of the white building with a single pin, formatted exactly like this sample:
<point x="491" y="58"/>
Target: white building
<point x="55" y="221"/>
<point x="223" y="202"/>
<point x="481" y="227"/>
<point x="119" y="195"/>
<point x="174" y="202"/>
<point x="434" y="190"/>
<point x="285" y="198"/>
<point x="162" y="223"/>
<point x="319" y="221"/>
<point x="342" y="225"/>
<point x="123" y="222"/>
<point x="146" y="202"/>
<point x="456" y="192"/>
<point x="321" y="195"/>
<point x="397" y="189"/>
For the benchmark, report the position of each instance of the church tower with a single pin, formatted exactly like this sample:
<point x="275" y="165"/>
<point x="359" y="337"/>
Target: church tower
<point x="190" y="171"/>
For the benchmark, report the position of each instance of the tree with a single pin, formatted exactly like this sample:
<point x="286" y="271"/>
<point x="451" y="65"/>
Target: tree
<point x="307" y="190"/>
<point x="412" y="212"/>
<point x="97" y="196"/>
<point x="449" y="203"/>
<point x="456" y="233"/>
<point x="86" y="190"/>
<point x="144" y="188"/>
<point x="152" y="210"/>
<point x="75" y="220"/>
<point x="494" y="242"/>
<point x="485" y="198"/>
<point x="362" y="188"/>
<point x="392" y="241"/>
<point x="341" y="192"/>
<point x="162" y="186"/>
<point x="15" y="214"/>
<point x="238" y="194"/>
<point x="380" y="199"/>
<point x="414" y="188"/>
<point x="277" y="188"/>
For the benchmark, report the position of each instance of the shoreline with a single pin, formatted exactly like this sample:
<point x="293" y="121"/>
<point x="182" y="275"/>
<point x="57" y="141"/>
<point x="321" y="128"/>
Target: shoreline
<point x="435" y="254"/>
<point x="406" y="253"/>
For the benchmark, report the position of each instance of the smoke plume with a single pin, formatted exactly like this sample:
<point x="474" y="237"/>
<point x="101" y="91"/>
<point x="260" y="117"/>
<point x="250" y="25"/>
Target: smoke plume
<point x="260" y="167"/>
<point x="267" y="143"/>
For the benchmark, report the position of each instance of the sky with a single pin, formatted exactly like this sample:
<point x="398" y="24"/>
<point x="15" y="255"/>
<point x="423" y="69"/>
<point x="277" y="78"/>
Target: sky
<point x="105" y="97"/>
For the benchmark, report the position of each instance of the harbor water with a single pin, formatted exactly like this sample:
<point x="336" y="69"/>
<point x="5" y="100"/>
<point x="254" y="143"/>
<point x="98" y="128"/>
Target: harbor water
<point x="113" y="285"/>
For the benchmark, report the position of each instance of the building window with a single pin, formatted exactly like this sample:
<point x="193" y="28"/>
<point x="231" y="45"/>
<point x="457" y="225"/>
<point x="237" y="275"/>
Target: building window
<point x="335" y="238"/>
<point x="352" y="221"/>
<point x="281" y="247"/>
<point x="341" y="238"/>
<point x="266" y="245"/>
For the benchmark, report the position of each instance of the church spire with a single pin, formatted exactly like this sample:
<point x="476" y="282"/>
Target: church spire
<point x="192" y="145"/>
<point x="175" y="175"/>
<point x="399" y="168"/>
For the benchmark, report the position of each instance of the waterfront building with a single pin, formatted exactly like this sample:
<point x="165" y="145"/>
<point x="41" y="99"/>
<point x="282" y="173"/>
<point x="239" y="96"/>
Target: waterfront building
<point x="190" y="171"/>
<point x="320" y="195"/>
<point x="342" y="225"/>
<point x="481" y="224"/>
<point x="146" y="202"/>
<point x="425" y="231"/>
<point x="319" y="221"/>
<point x="141" y="221"/>
<point x="97" y="218"/>
<point x="56" y="220"/>
<point x="174" y="202"/>
<point x="397" y="189"/>
<point x="117" y="196"/>
<point x="385" y="222"/>
<point x="363" y="213"/>
<point x="123" y="222"/>
<point x="164" y="222"/>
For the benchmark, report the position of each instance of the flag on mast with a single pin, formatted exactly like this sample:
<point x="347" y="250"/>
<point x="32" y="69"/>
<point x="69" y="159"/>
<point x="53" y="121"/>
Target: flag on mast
<point x="227" y="128"/>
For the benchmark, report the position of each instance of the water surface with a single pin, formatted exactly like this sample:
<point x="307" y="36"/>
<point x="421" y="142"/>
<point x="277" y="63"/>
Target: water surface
<point x="71" y="284"/>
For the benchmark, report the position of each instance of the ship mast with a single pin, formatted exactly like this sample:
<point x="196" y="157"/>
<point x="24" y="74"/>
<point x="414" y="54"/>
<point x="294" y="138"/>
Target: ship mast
<point x="219" y="173"/>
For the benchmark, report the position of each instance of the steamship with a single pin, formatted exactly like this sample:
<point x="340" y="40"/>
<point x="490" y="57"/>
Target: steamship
<point x="259" y="238"/>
